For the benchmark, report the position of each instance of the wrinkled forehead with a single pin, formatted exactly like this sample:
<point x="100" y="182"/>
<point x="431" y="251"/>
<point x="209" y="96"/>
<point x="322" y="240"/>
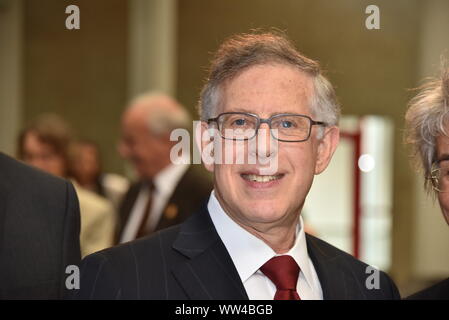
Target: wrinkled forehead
<point x="268" y="89"/>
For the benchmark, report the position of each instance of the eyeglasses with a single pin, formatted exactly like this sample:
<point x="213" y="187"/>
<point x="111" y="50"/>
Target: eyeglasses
<point x="439" y="176"/>
<point x="284" y="127"/>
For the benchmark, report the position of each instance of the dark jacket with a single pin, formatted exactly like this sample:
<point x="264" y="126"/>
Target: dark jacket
<point x="39" y="232"/>
<point x="439" y="291"/>
<point x="190" y="261"/>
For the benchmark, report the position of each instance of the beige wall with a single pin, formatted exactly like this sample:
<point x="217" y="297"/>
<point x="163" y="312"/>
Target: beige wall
<point x="11" y="48"/>
<point x="80" y="74"/>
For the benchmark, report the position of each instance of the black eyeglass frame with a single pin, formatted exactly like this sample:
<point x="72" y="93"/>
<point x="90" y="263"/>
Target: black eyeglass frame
<point x="268" y="122"/>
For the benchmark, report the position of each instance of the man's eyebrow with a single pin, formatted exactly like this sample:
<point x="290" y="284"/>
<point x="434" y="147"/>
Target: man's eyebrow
<point x="271" y="114"/>
<point x="241" y="110"/>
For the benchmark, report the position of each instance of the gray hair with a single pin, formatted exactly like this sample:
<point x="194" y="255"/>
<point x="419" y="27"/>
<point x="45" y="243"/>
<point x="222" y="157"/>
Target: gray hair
<point x="167" y="115"/>
<point x="243" y="51"/>
<point x="426" y="117"/>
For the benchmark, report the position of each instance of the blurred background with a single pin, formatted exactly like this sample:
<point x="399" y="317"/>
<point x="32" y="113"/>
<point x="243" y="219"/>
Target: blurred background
<point x="375" y="206"/>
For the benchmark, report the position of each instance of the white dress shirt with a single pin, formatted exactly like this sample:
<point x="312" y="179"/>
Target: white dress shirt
<point x="165" y="183"/>
<point x="250" y="253"/>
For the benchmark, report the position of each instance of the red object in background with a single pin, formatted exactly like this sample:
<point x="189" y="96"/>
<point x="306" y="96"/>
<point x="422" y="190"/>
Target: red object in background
<point x="356" y="139"/>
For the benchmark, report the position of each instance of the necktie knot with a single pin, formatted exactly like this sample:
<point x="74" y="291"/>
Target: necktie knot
<point x="283" y="271"/>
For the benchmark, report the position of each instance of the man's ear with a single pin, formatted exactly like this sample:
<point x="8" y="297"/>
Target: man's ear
<point x="326" y="148"/>
<point x="205" y="139"/>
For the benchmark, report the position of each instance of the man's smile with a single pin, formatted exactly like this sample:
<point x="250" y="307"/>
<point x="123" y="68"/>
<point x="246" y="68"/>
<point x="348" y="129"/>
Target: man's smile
<point x="253" y="179"/>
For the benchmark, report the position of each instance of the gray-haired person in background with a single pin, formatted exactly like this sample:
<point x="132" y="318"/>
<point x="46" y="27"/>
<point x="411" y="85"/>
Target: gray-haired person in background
<point x="162" y="195"/>
<point x="427" y="121"/>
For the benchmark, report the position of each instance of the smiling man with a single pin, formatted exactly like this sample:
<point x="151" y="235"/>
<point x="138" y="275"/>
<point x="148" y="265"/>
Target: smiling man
<point x="248" y="241"/>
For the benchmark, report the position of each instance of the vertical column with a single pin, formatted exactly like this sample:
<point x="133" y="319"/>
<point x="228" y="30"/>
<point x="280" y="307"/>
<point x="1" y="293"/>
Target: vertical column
<point x="11" y="42"/>
<point x="152" y="46"/>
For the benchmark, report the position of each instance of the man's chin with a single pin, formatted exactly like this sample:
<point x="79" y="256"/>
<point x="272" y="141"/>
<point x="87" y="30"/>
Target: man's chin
<point x="262" y="199"/>
<point x="264" y="214"/>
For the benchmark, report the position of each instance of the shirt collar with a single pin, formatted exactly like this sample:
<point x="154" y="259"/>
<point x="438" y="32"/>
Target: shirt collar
<point x="250" y="253"/>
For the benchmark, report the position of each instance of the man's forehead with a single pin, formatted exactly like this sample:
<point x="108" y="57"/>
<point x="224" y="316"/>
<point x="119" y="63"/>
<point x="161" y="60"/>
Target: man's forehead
<point x="272" y="73"/>
<point x="276" y="84"/>
<point x="135" y="117"/>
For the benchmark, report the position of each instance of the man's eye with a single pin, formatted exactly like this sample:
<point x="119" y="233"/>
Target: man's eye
<point x="286" y="124"/>
<point x="239" y="122"/>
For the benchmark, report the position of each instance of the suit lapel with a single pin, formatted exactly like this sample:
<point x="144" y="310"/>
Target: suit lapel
<point x="209" y="272"/>
<point x="126" y="207"/>
<point x="336" y="277"/>
<point x="177" y="202"/>
<point x="331" y="278"/>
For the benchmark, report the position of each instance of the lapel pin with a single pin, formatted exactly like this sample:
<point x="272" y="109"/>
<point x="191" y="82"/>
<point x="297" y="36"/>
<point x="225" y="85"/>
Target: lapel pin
<point x="171" y="211"/>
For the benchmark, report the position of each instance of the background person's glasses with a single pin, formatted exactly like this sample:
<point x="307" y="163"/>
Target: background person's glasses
<point x="439" y="175"/>
<point x="284" y="127"/>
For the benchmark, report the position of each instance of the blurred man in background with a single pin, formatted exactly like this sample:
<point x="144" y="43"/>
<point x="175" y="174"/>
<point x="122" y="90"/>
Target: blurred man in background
<point x="427" y="121"/>
<point x="46" y="144"/>
<point x="166" y="193"/>
<point x="88" y="173"/>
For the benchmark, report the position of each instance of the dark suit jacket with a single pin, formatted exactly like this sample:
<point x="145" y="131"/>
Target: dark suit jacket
<point x="439" y="291"/>
<point x="39" y="232"/>
<point x="193" y="188"/>
<point x="191" y="262"/>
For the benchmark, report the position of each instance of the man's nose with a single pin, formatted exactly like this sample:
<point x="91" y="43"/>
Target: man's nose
<point x="265" y="144"/>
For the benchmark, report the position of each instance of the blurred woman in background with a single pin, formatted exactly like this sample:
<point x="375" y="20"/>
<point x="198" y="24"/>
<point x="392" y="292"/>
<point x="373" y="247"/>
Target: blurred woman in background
<point x="47" y="144"/>
<point x="87" y="171"/>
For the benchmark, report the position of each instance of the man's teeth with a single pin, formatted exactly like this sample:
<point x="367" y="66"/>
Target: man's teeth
<point x="257" y="178"/>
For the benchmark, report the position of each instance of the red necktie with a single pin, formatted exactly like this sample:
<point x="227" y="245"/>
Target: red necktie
<point x="283" y="271"/>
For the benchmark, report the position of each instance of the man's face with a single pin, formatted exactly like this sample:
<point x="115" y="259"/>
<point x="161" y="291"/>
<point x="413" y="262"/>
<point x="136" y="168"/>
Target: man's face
<point x="443" y="154"/>
<point x="42" y="155"/>
<point x="267" y="90"/>
<point x="148" y="153"/>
